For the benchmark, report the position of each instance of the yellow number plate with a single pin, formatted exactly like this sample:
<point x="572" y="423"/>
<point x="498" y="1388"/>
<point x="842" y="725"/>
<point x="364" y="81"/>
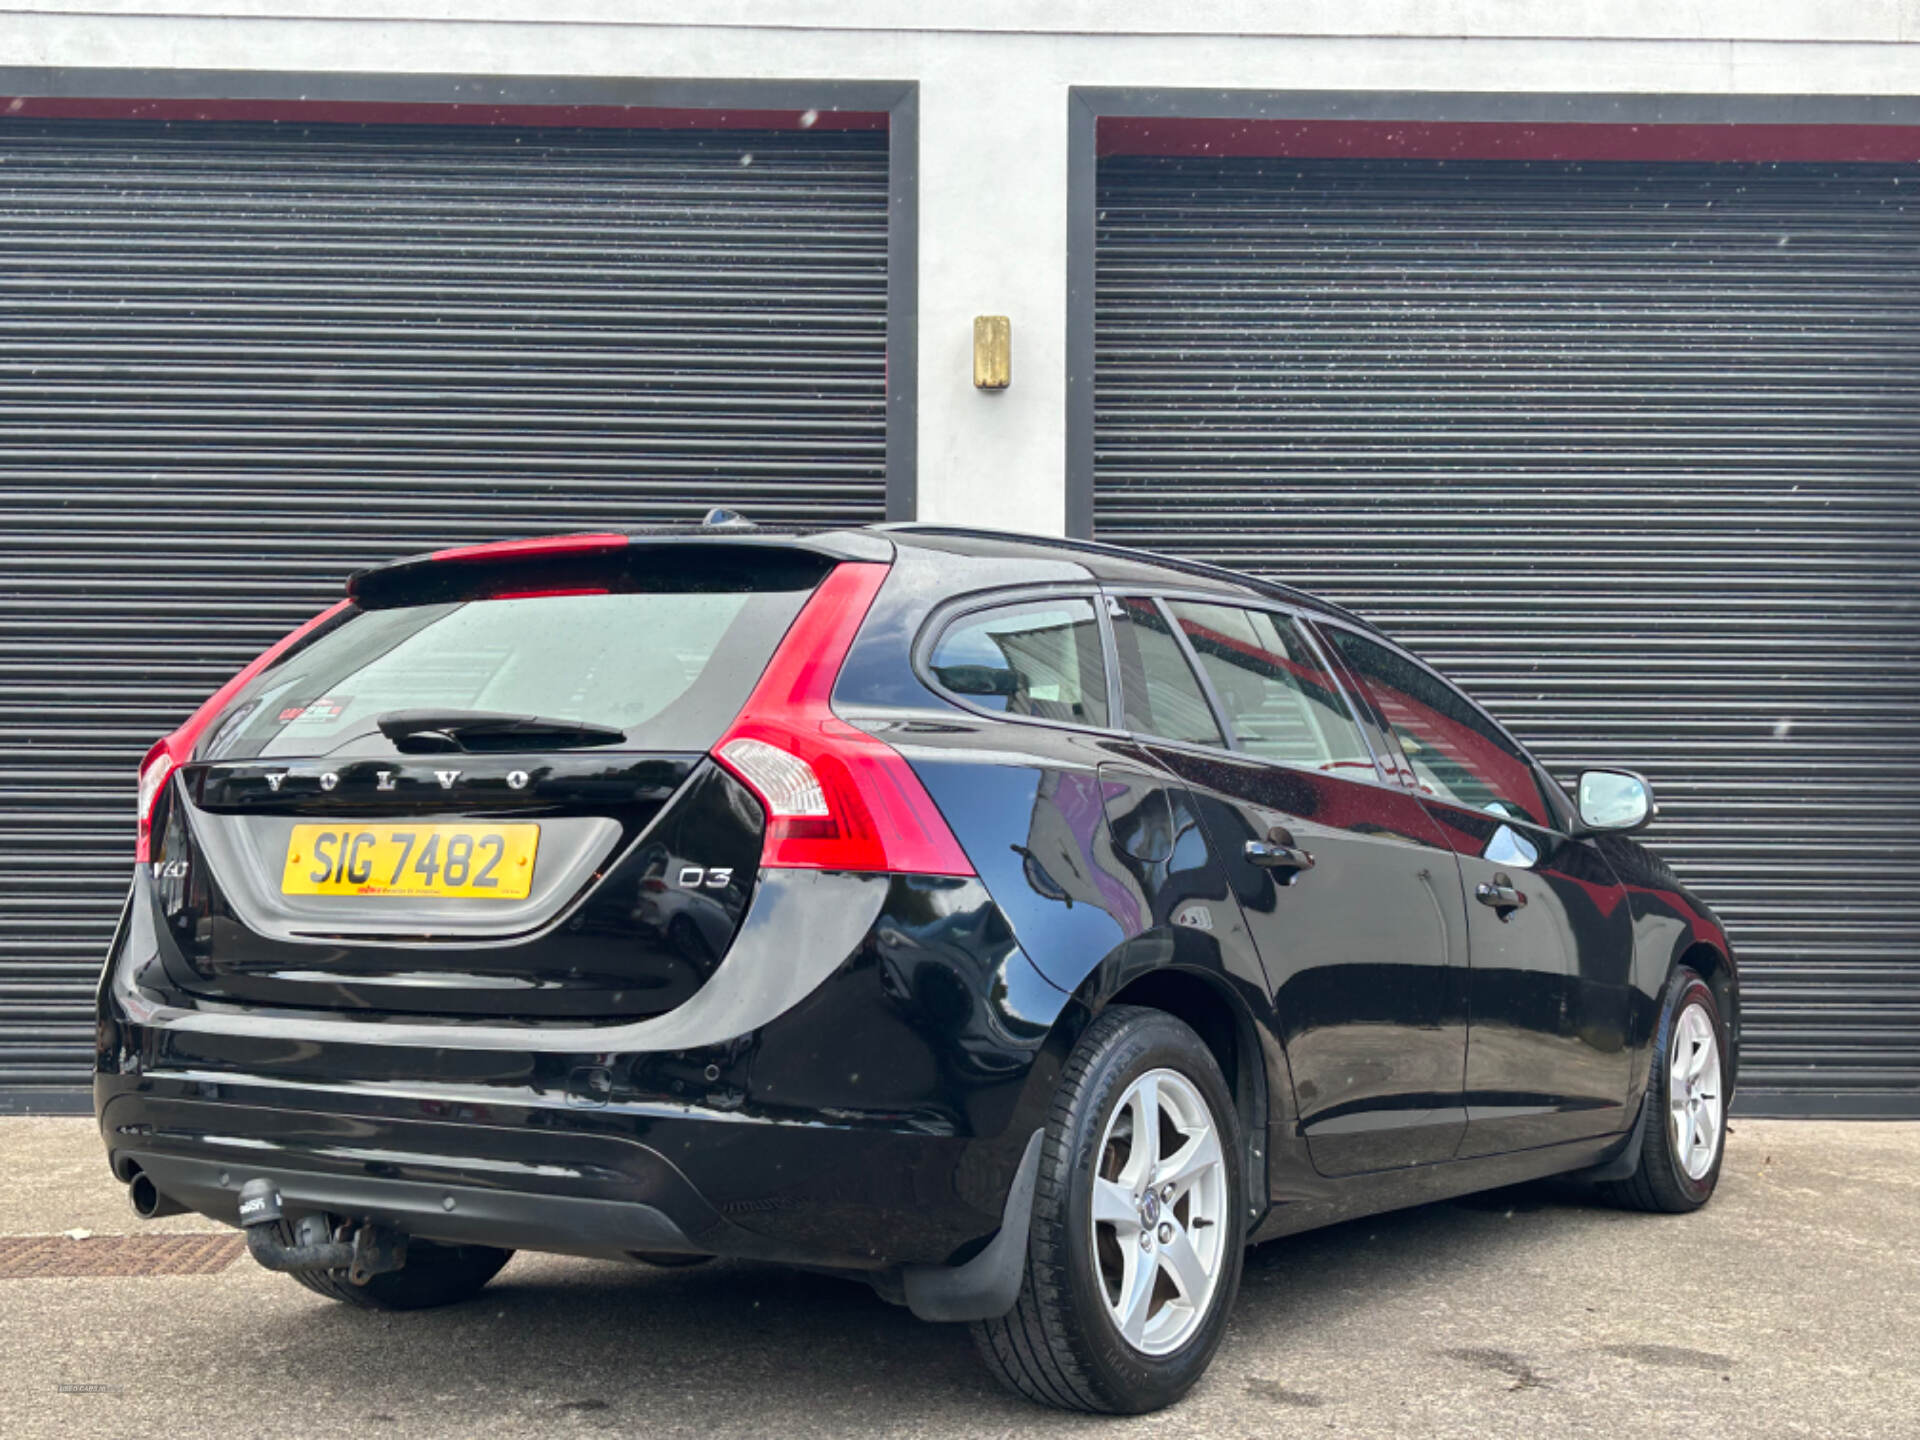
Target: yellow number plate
<point x="481" y="862"/>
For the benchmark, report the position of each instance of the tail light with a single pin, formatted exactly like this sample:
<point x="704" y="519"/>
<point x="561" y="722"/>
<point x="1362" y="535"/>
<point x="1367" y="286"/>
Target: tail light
<point x="836" y="797"/>
<point x="154" y="771"/>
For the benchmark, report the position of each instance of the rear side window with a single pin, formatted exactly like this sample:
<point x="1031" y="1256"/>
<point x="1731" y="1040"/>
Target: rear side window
<point x="1457" y="754"/>
<point x="1038" y="658"/>
<point x="669" y="669"/>
<point x="1279" y="702"/>
<point x="1156" y="683"/>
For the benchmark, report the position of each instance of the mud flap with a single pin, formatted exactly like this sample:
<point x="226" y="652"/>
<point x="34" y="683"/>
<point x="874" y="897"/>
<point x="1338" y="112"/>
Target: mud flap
<point x="986" y="1287"/>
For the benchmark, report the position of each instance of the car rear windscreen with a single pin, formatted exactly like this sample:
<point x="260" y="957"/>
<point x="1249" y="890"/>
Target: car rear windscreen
<point x="668" y="668"/>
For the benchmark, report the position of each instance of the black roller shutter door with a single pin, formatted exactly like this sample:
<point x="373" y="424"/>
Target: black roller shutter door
<point x="1633" y="452"/>
<point x="237" y="361"/>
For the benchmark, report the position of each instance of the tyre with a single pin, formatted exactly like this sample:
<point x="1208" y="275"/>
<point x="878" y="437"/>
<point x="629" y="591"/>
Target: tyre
<point x="433" y="1275"/>
<point x="1134" y="1253"/>
<point x="1683" y="1130"/>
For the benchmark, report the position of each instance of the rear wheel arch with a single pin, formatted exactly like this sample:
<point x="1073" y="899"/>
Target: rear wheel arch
<point x="1208" y="1005"/>
<point x="1232" y="1017"/>
<point x="1220" y="1020"/>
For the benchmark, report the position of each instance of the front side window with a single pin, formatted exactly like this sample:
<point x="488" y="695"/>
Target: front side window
<point x="1279" y="702"/>
<point x="1161" y="695"/>
<point x="1039" y="658"/>
<point x="1457" y="754"/>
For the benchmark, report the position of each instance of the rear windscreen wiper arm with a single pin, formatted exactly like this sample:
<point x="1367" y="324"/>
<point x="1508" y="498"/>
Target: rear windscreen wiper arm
<point x="470" y="730"/>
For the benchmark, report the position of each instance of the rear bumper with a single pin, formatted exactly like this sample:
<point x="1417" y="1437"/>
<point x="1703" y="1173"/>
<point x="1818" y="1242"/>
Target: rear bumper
<point x="532" y="1187"/>
<point x="451" y="1213"/>
<point x="877" y="1120"/>
<point x="204" y="1169"/>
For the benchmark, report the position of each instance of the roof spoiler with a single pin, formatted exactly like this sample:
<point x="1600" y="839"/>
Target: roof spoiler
<point x="465" y="571"/>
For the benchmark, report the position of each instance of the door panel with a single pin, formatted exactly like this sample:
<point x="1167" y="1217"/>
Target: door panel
<point x="1551" y="937"/>
<point x="1366" y="953"/>
<point x="1350" y="891"/>
<point x="1547" y="1057"/>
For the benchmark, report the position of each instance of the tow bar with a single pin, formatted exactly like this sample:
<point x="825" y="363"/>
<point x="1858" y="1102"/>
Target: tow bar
<point x="374" y="1249"/>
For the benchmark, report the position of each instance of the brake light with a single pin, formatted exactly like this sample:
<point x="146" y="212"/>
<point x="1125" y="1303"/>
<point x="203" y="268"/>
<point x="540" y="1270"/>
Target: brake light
<point x="836" y="797"/>
<point x="589" y="543"/>
<point x="154" y="771"/>
<point x="548" y="593"/>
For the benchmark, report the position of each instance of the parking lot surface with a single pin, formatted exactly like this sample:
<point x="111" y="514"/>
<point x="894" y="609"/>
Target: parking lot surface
<point x="1786" y="1308"/>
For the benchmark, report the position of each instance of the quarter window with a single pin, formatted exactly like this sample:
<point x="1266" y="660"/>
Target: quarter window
<point x="1156" y="683"/>
<point x="1457" y="754"/>
<point x="1279" y="702"/>
<point x="1041" y="658"/>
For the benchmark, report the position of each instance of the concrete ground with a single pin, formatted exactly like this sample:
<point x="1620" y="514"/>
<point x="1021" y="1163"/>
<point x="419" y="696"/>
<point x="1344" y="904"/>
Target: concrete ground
<point x="1786" y="1308"/>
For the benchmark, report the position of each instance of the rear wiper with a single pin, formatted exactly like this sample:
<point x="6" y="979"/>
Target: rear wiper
<point x="440" y="731"/>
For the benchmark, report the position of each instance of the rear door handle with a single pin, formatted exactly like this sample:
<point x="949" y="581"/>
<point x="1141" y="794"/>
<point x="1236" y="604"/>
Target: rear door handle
<point x="1273" y="856"/>
<point x="1500" y="896"/>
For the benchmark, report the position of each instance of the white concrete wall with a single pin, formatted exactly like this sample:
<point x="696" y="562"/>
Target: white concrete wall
<point x="994" y="77"/>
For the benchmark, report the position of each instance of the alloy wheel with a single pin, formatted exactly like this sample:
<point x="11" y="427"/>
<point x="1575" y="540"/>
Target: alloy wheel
<point x="1694" y="1104"/>
<point x="1159" y="1212"/>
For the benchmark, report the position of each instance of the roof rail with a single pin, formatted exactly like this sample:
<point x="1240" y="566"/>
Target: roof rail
<point x="1278" y="589"/>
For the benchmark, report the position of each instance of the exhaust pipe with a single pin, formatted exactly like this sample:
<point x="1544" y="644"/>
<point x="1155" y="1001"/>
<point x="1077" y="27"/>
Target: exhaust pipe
<point x="373" y="1250"/>
<point x="147" y="1201"/>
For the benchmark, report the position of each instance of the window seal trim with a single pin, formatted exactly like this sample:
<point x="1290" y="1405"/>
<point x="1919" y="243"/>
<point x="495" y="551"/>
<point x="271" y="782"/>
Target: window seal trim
<point x="955" y="609"/>
<point x="1247" y="757"/>
<point x="1303" y="620"/>
<point x="1119" y="594"/>
<point x="1343" y="685"/>
<point x="1534" y="766"/>
<point x="1229" y="736"/>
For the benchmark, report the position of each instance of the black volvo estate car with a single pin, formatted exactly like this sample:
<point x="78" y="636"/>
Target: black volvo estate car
<point x="1021" y="926"/>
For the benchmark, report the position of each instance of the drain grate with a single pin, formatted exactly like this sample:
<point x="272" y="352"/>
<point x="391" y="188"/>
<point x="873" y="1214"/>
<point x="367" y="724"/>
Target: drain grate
<point x="49" y="1257"/>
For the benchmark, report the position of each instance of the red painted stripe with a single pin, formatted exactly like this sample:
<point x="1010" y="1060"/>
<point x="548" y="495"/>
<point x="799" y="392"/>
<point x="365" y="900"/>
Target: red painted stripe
<point x="1408" y="140"/>
<point x="354" y="112"/>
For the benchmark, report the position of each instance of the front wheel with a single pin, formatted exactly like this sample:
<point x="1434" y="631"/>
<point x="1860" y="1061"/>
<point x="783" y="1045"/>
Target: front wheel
<point x="1683" y="1132"/>
<point x="1134" y="1253"/>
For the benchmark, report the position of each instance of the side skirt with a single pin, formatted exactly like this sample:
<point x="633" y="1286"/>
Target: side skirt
<point x="1312" y="1201"/>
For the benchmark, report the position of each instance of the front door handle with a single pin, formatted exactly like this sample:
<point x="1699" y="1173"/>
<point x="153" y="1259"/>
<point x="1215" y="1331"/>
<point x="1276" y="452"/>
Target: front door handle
<point x="1271" y="855"/>
<point x="1500" y="896"/>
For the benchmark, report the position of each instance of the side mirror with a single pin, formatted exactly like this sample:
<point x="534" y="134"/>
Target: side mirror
<point x="1618" y="801"/>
